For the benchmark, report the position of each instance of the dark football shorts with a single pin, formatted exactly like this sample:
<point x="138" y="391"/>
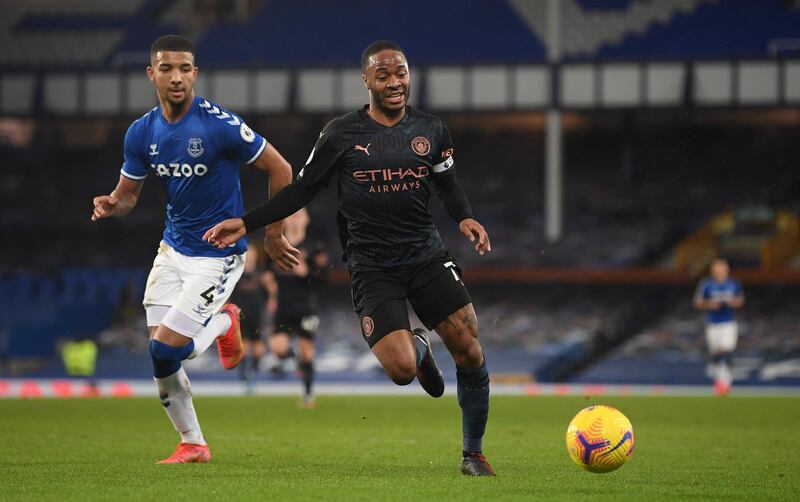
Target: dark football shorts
<point x="251" y="328"/>
<point x="434" y="288"/>
<point x="300" y="325"/>
<point x="251" y="321"/>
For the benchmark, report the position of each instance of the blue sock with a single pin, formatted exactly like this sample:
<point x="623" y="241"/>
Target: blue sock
<point x="421" y="349"/>
<point x="167" y="359"/>
<point x="473" y="397"/>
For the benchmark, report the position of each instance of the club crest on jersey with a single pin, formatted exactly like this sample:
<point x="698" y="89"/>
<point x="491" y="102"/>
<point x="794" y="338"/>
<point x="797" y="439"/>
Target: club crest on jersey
<point x="246" y="133"/>
<point x="154" y="149"/>
<point x="421" y="145"/>
<point x="195" y="147"/>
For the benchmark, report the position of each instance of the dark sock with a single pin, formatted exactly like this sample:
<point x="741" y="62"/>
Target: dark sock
<point x="307" y="371"/>
<point x="244" y="371"/>
<point x="473" y="397"/>
<point x="421" y="349"/>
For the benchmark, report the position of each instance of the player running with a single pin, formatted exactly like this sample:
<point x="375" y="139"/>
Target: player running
<point x="195" y="148"/>
<point x="296" y="307"/>
<point x="720" y="295"/>
<point x="386" y="158"/>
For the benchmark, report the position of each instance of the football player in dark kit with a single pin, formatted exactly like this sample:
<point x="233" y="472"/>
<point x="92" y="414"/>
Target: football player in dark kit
<point x="386" y="158"/>
<point x="296" y="302"/>
<point x="251" y="296"/>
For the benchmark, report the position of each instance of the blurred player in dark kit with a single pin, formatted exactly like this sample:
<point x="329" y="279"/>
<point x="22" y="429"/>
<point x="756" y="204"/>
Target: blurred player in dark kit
<point x="252" y="298"/>
<point x="296" y="308"/>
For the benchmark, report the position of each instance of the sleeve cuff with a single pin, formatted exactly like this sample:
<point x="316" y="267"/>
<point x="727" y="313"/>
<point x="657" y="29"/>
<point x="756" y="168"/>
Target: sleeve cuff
<point x="132" y="176"/>
<point x="258" y="153"/>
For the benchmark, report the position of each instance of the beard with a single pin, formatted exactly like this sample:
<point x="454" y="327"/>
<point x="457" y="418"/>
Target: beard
<point x="377" y="98"/>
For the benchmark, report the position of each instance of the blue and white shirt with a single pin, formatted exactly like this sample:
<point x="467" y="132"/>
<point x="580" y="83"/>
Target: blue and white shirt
<point x="197" y="160"/>
<point x="709" y="289"/>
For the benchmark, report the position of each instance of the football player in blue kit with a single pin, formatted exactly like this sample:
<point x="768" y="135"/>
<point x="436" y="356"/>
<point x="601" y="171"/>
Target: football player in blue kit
<point x="194" y="148"/>
<point x="719" y="296"/>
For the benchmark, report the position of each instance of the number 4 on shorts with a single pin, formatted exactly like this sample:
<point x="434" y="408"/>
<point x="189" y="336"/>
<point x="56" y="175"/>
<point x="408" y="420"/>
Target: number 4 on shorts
<point x="207" y="296"/>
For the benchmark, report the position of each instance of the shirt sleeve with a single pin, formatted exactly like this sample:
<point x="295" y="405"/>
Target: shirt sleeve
<point x="737" y="289"/>
<point x="443" y="156"/>
<point x="133" y="166"/>
<point x="321" y="163"/>
<point x="237" y="139"/>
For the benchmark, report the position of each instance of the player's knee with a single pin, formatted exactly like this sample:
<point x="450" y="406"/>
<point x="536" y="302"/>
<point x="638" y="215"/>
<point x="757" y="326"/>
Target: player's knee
<point x="470" y="355"/>
<point x="167" y="359"/>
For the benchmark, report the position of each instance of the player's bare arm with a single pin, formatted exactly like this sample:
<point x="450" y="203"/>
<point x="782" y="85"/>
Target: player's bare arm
<point x="280" y="175"/>
<point x="704" y="304"/>
<point x="736" y="302"/>
<point x="119" y="202"/>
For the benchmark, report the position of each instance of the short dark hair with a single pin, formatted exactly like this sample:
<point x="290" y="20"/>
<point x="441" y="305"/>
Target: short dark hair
<point x="376" y="47"/>
<point x="175" y="43"/>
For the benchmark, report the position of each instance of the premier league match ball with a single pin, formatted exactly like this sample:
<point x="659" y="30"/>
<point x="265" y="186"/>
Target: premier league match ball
<point x="600" y="438"/>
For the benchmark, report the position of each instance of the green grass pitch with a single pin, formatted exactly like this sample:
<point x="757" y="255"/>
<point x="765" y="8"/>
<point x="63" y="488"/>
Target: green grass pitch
<point x="395" y="448"/>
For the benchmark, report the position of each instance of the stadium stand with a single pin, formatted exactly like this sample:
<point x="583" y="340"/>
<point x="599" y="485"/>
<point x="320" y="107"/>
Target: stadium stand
<point x="638" y="183"/>
<point x="96" y="33"/>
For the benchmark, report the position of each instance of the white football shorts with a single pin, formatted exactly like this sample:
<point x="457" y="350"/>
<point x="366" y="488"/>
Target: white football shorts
<point x="197" y="286"/>
<point x="722" y="336"/>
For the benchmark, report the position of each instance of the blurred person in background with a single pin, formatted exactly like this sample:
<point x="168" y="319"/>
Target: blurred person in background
<point x="720" y="296"/>
<point x="80" y="361"/>
<point x="387" y="158"/>
<point x="296" y="304"/>
<point x="252" y="299"/>
<point x="195" y="149"/>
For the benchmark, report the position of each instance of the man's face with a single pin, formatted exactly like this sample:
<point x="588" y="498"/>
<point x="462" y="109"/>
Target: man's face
<point x="173" y="74"/>
<point x="388" y="80"/>
<point x="720" y="270"/>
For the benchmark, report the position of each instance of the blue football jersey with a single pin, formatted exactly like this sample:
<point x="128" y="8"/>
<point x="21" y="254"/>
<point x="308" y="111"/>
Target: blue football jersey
<point x="709" y="289"/>
<point x="197" y="160"/>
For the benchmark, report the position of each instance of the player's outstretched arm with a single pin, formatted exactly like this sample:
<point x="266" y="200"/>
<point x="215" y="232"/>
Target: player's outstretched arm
<point x="287" y="201"/>
<point x="280" y="175"/>
<point x="119" y="202"/>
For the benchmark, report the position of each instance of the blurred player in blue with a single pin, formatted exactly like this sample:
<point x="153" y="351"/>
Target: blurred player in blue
<point x="194" y="148"/>
<point x="720" y="295"/>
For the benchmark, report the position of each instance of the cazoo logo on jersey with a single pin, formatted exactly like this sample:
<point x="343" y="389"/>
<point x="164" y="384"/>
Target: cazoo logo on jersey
<point x="178" y="170"/>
